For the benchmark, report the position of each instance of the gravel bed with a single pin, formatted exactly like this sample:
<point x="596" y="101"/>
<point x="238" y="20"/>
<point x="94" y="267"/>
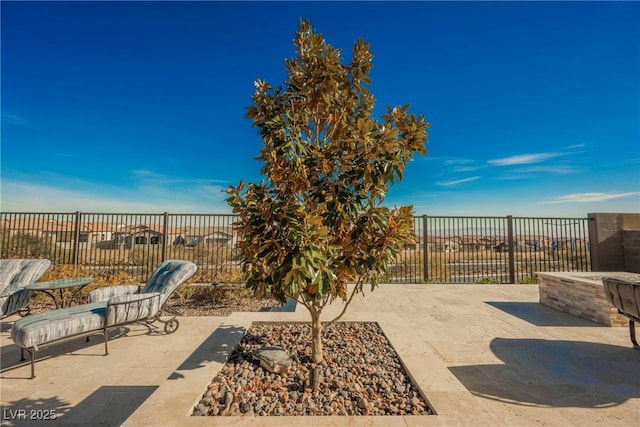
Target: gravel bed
<point x="361" y="375"/>
<point x="223" y="307"/>
<point x="219" y="308"/>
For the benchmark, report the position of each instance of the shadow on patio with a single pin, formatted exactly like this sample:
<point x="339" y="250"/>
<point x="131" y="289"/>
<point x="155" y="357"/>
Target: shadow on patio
<point x="549" y="373"/>
<point x="107" y="406"/>
<point x="541" y="315"/>
<point x="213" y="349"/>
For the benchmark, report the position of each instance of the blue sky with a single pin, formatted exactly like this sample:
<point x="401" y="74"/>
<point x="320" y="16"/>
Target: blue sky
<point x="139" y="106"/>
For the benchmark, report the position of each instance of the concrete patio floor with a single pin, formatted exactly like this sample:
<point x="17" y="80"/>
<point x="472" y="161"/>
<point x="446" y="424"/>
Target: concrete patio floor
<point x="482" y="355"/>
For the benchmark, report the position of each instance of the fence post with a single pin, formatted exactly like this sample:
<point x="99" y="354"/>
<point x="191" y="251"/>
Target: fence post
<point x="76" y="238"/>
<point x="164" y="236"/>
<point x="424" y="249"/>
<point x="512" y="266"/>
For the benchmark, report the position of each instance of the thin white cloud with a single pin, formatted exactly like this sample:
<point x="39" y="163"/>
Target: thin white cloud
<point x="622" y="162"/>
<point x="465" y="168"/>
<point x="166" y="179"/>
<point x="457" y="181"/>
<point x="66" y="197"/>
<point x="571" y="147"/>
<point x="523" y="159"/>
<point x="533" y="171"/>
<point x="461" y="165"/>
<point x="14" y="119"/>
<point x="591" y="197"/>
<point x="453" y="162"/>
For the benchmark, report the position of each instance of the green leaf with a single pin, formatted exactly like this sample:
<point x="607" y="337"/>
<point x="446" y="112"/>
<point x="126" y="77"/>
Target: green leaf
<point x="314" y="222"/>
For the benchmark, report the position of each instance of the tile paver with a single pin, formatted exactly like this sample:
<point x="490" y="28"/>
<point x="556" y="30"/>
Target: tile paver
<point x="482" y="355"/>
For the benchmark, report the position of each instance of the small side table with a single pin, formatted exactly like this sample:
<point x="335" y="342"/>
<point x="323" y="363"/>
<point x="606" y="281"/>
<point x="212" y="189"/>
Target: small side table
<point x="51" y="286"/>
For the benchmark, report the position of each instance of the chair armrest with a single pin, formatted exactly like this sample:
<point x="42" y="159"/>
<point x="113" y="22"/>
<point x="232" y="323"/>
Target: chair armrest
<point x="108" y="292"/>
<point x="131" y="308"/>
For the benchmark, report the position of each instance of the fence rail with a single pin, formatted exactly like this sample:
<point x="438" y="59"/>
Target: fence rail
<point x="447" y="249"/>
<point x="492" y="249"/>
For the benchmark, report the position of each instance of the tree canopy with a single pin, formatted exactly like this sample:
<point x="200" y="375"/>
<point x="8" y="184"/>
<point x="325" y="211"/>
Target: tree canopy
<point x="316" y="221"/>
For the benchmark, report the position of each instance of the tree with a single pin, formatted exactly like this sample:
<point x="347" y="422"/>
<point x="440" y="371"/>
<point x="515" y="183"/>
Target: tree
<point x="316" y="223"/>
<point x="25" y="245"/>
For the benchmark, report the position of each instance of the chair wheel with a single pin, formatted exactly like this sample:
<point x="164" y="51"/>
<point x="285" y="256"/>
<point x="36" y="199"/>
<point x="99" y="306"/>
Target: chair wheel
<point x="171" y="326"/>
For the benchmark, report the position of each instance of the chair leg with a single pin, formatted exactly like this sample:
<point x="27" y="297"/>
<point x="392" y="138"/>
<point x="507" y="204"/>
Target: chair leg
<point x="32" y="352"/>
<point x="632" y="334"/>
<point x="22" y="359"/>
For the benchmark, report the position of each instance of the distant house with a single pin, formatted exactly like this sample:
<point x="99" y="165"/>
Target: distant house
<point x="130" y="237"/>
<point x="477" y="242"/>
<point x="443" y="244"/>
<point x="217" y="236"/>
<point x="533" y="243"/>
<point x="61" y="233"/>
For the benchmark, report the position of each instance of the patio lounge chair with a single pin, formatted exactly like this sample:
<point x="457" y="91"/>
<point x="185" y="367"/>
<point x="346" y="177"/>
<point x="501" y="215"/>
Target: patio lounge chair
<point x="625" y="296"/>
<point x="15" y="275"/>
<point x="109" y="307"/>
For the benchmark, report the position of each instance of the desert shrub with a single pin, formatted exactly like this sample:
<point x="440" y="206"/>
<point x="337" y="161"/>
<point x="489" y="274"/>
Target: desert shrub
<point x="489" y="281"/>
<point x="211" y="294"/>
<point x="528" y="280"/>
<point x="216" y="275"/>
<point x="25" y="245"/>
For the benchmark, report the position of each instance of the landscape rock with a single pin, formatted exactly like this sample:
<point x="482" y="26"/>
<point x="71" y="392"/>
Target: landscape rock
<point x="273" y="359"/>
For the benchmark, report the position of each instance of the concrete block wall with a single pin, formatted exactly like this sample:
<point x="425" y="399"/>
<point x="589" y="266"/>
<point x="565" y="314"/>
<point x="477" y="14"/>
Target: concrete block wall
<point x="631" y="242"/>
<point x="615" y="241"/>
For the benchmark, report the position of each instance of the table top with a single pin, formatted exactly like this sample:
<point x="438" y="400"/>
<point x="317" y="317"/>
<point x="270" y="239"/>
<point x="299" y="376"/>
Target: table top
<point x="71" y="282"/>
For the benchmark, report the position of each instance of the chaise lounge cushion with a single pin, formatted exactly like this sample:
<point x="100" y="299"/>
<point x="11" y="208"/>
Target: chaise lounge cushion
<point x="15" y="274"/>
<point x="42" y="328"/>
<point x="168" y="276"/>
<point x="53" y="325"/>
<point x="624" y="295"/>
<point x="108" y="292"/>
<point x="165" y="279"/>
<point x="130" y="308"/>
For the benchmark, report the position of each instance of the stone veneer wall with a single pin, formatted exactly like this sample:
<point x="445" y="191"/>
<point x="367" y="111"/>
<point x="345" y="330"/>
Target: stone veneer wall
<point x="582" y="298"/>
<point x="614" y="240"/>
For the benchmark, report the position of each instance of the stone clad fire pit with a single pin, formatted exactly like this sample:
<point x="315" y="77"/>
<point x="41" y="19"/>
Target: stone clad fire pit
<point x="581" y="294"/>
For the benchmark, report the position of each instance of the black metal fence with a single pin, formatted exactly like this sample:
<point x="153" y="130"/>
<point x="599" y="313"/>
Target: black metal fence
<point x="492" y="249"/>
<point x="105" y="244"/>
<point x="446" y="250"/>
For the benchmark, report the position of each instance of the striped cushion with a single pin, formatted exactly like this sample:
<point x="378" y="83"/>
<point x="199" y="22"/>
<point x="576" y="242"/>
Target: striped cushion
<point x="131" y="308"/>
<point x="107" y="292"/>
<point x="168" y="276"/>
<point x="15" y="274"/>
<point x="165" y="279"/>
<point x="14" y="302"/>
<point x="48" y="326"/>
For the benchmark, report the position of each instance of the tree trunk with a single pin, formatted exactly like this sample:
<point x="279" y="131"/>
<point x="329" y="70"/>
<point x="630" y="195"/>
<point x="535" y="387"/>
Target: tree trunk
<point x="316" y="335"/>
<point x="316" y="346"/>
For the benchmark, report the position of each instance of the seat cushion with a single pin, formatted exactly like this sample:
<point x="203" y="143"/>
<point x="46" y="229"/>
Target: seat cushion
<point x="624" y="295"/>
<point x="16" y="274"/>
<point x="168" y="276"/>
<point x="131" y="308"/>
<point x="53" y="325"/>
<point x="15" y="302"/>
<point x="103" y="294"/>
